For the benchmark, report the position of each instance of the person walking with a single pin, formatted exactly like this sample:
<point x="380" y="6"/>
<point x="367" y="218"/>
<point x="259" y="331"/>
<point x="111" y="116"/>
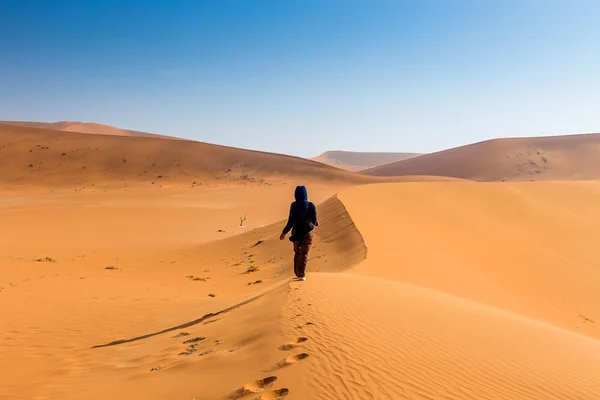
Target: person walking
<point x="302" y="220"/>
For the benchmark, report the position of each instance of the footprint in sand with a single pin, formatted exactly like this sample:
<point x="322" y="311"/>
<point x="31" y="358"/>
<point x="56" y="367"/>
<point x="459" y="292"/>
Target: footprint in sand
<point x="302" y="326"/>
<point x="291" y="360"/>
<point x="194" y="340"/>
<point x="192" y="344"/>
<point x="275" y="394"/>
<point x="206" y="352"/>
<point x="253" y="387"/>
<point x="291" y="345"/>
<point x="189" y="351"/>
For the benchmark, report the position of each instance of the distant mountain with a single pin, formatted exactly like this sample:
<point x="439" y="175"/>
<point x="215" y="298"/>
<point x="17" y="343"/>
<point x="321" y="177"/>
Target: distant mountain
<point x="358" y="161"/>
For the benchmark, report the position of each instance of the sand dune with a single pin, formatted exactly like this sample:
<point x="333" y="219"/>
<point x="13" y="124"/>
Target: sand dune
<point x="573" y="157"/>
<point x="478" y="295"/>
<point x="421" y="289"/>
<point x="358" y="161"/>
<point x="84" y="127"/>
<point x="525" y="247"/>
<point x="31" y="156"/>
<point x="161" y="281"/>
<point x="376" y="339"/>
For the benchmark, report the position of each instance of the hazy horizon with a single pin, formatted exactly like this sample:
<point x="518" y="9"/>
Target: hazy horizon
<point x="307" y="77"/>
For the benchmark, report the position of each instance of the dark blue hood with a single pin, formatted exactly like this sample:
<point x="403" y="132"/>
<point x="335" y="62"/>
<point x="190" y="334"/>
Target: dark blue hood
<point x="301" y="194"/>
<point x="303" y="215"/>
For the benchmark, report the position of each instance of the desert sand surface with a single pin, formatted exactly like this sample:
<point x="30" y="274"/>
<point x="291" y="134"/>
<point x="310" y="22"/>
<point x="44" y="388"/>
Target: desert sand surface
<point x="430" y="288"/>
<point x="570" y="157"/>
<point x="84" y="127"/>
<point x="358" y="161"/>
<point x="32" y="157"/>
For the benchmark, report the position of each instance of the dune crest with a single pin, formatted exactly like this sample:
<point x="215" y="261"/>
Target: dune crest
<point x="461" y="296"/>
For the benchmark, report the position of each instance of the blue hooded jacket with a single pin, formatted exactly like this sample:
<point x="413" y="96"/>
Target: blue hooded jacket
<point x="303" y="214"/>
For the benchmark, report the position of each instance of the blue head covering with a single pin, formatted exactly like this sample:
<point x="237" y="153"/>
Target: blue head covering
<point x="301" y="196"/>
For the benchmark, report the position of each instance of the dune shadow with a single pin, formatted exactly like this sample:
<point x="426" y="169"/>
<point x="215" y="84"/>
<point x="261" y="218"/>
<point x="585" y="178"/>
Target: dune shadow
<point x="194" y="322"/>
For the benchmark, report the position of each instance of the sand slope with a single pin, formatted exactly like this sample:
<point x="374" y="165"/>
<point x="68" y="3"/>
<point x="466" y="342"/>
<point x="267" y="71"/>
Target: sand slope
<point x="376" y="339"/>
<point x="468" y="291"/>
<point x="526" y="247"/>
<point x="84" y="127"/>
<point x="31" y="156"/>
<point x="358" y="161"/>
<point x="433" y="288"/>
<point x="573" y="157"/>
<point x="159" y="287"/>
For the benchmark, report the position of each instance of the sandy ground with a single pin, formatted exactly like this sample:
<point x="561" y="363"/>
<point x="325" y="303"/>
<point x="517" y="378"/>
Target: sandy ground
<point x="124" y="264"/>
<point x="424" y="289"/>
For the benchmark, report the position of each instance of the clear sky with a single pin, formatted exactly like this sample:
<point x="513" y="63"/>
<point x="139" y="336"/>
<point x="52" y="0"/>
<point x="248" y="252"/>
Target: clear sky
<point x="301" y="77"/>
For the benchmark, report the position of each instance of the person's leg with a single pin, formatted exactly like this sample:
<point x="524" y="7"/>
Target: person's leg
<point x="296" y="258"/>
<point x="303" y="254"/>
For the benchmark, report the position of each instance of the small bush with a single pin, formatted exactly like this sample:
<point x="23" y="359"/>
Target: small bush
<point x="46" y="259"/>
<point x="251" y="269"/>
<point x="196" y="278"/>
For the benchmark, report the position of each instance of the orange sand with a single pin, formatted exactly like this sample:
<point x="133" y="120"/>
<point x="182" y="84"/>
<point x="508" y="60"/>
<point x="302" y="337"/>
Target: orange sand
<point x="83" y="127"/>
<point x="573" y="157"/>
<point x="425" y="289"/>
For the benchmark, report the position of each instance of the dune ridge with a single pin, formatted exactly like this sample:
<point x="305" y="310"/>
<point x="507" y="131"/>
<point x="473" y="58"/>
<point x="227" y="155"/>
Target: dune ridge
<point x="407" y="323"/>
<point x="156" y="292"/>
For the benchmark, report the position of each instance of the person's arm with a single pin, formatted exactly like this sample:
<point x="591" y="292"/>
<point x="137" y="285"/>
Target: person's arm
<point x="290" y="223"/>
<point x="314" y="215"/>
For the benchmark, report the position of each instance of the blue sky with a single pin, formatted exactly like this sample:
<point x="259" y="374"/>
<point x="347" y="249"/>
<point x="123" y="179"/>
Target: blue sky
<point x="302" y="77"/>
